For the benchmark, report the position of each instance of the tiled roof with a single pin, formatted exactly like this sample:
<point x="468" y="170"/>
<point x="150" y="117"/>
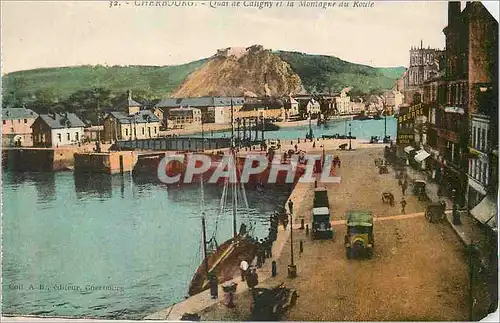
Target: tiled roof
<point x="62" y="120"/>
<point x="143" y="116"/>
<point x="18" y="113"/>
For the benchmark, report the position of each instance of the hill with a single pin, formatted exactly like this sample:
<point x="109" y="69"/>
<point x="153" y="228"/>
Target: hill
<point x="329" y="73"/>
<point x="156" y="81"/>
<point x="236" y="71"/>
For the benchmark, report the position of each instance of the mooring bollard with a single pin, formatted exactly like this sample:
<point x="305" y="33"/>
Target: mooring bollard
<point x="301" y="248"/>
<point x="301" y="224"/>
<point x="307" y="229"/>
<point x="273" y="268"/>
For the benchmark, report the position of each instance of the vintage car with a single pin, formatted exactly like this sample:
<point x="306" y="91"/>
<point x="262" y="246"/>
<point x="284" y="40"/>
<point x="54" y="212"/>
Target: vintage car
<point x="435" y="211"/>
<point x="359" y="238"/>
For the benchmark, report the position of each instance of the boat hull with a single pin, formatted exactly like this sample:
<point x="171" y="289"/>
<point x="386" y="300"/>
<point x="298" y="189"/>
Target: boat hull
<point x="224" y="263"/>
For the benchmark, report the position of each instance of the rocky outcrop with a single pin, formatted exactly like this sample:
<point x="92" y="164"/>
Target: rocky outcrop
<point x="234" y="72"/>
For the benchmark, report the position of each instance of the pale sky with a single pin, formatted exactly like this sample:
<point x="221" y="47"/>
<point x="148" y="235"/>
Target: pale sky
<point x="62" y="33"/>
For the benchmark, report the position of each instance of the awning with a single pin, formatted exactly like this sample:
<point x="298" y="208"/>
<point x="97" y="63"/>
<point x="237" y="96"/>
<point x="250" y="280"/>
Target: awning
<point x="486" y="212"/>
<point x="421" y="155"/>
<point x="408" y="149"/>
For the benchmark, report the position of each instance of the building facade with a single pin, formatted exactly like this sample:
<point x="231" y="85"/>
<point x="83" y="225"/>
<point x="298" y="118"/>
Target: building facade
<point x="424" y="64"/>
<point x="209" y="106"/>
<point x="343" y="102"/>
<point x="134" y="123"/>
<point x="393" y="99"/>
<point x="291" y="108"/>
<point x="180" y="118"/>
<point x="57" y="129"/>
<point x="16" y="126"/>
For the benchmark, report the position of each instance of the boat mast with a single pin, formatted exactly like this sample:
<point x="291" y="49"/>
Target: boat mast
<point x="204" y="230"/>
<point x="385" y="121"/>
<point x="233" y="173"/>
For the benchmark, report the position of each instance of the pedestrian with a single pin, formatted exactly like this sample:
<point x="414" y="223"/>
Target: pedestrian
<point x="274" y="270"/>
<point x="269" y="249"/>
<point x="214" y="286"/>
<point x="404" y="186"/>
<point x="403" y="205"/>
<point x="338" y="162"/>
<point x="252" y="279"/>
<point x="285" y="223"/>
<point x="243" y="269"/>
<point x="296" y="147"/>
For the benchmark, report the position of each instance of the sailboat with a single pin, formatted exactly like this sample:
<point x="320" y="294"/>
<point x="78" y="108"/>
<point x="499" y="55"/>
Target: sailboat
<point x="223" y="260"/>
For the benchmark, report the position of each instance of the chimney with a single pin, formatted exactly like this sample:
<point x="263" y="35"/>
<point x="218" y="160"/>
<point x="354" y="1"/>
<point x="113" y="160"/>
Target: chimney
<point x="453" y="11"/>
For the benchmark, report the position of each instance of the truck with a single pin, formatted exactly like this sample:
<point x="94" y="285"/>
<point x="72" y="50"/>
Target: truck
<point x="321" y="226"/>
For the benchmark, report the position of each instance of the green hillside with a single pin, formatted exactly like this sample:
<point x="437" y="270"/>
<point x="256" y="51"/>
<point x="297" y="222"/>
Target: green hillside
<point x="329" y="73"/>
<point x="154" y="81"/>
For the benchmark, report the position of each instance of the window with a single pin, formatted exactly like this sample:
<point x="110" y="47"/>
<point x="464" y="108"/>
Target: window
<point x="68" y="136"/>
<point x="478" y="139"/>
<point x="126" y="132"/>
<point x="25" y="120"/>
<point x="155" y="129"/>
<point x="143" y="130"/>
<point x="77" y="136"/>
<point x="59" y="137"/>
<point x="477" y="172"/>
<point x="4" y="121"/>
<point x="485" y="169"/>
<point x="484" y="141"/>
<point x="473" y="137"/>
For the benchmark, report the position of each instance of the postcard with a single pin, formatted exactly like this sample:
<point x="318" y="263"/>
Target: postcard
<point x="233" y="160"/>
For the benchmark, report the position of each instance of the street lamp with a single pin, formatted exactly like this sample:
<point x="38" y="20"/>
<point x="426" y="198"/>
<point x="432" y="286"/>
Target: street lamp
<point x="202" y="136"/>
<point x="350" y="128"/>
<point x="292" y="268"/>
<point x="310" y="127"/>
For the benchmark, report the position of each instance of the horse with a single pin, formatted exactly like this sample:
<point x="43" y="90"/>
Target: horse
<point x="388" y="197"/>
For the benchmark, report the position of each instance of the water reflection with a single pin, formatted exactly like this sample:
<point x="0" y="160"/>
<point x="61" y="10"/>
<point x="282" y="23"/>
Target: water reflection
<point x="94" y="184"/>
<point x="44" y="183"/>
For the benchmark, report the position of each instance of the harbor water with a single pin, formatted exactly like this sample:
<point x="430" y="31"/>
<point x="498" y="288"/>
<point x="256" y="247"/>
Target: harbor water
<point x="360" y="129"/>
<point x="117" y="247"/>
<point x="108" y="246"/>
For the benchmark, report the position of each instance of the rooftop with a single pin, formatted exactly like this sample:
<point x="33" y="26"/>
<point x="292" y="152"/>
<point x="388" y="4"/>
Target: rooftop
<point x="18" y="113"/>
<point x="61" y="120"/>
<point x="143" y="116"/>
